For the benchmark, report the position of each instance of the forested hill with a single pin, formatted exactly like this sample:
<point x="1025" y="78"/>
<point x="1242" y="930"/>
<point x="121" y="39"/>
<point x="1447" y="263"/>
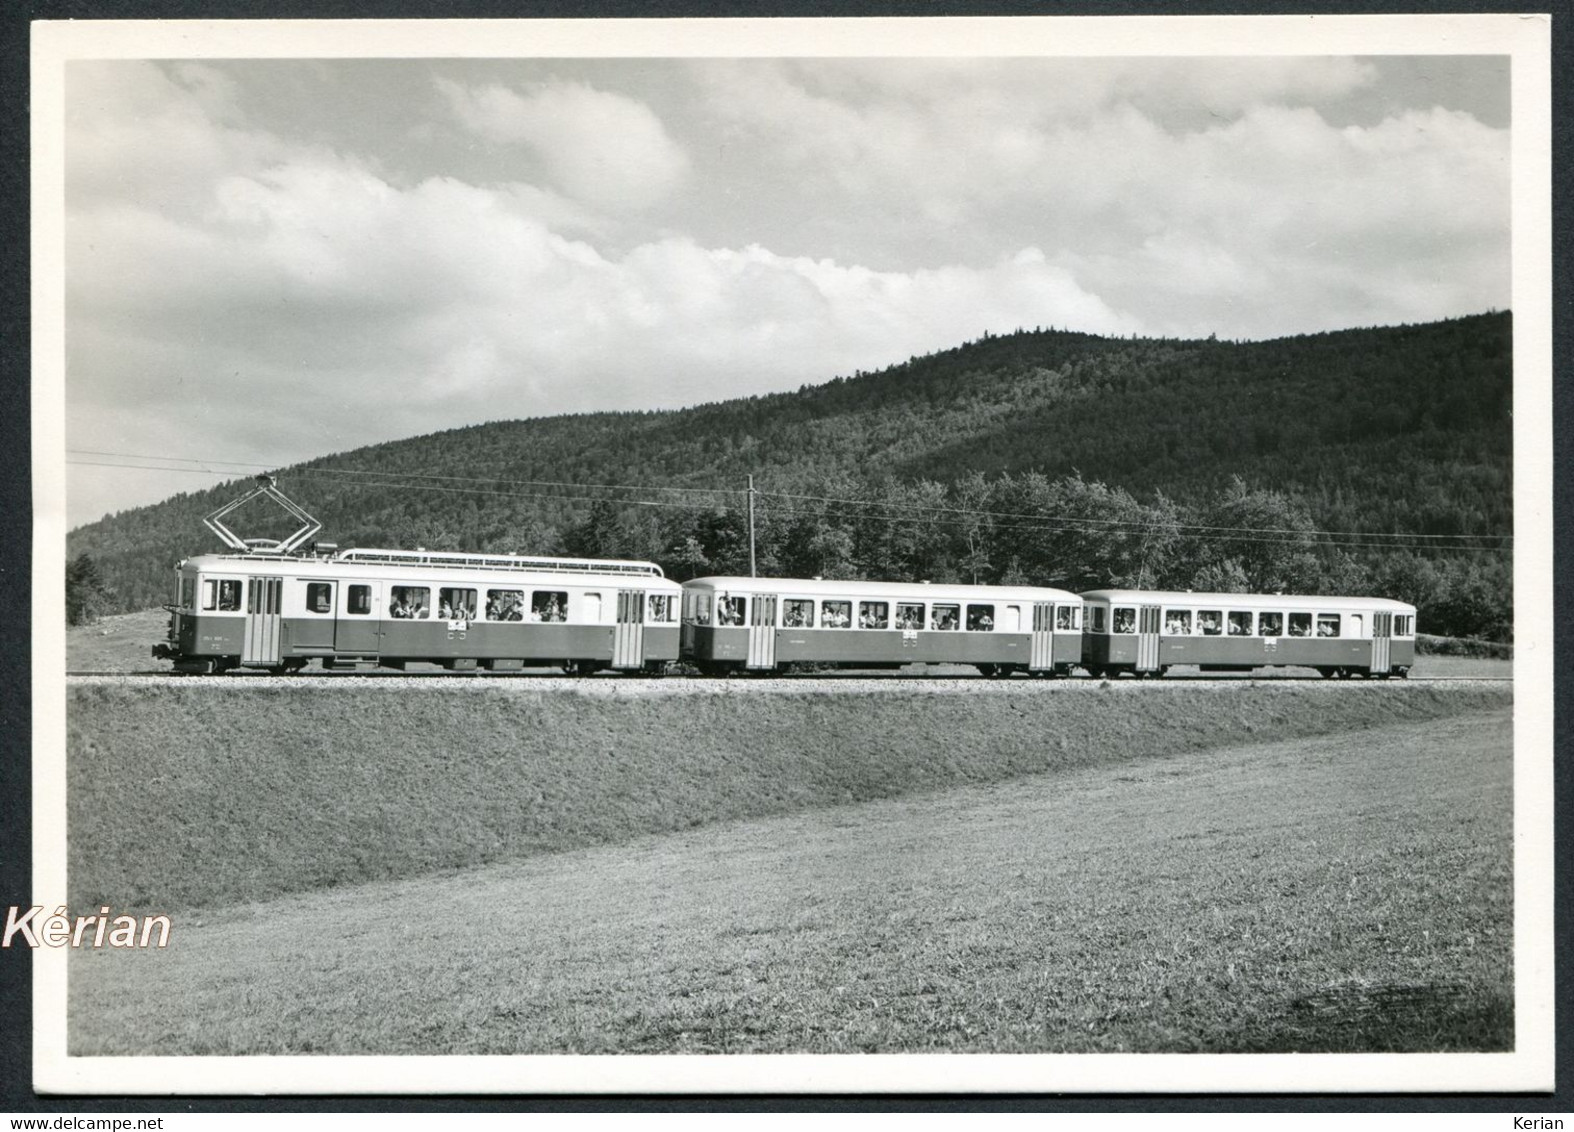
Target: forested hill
<point x="1399" y="429"/>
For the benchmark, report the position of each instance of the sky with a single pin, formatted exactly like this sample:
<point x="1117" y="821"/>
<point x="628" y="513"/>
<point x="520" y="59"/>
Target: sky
<point x="272" y="260"/>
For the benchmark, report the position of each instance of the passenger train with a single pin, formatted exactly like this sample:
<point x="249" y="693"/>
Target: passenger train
<point x="278" y="606"/>
<point x="365" y="608"/>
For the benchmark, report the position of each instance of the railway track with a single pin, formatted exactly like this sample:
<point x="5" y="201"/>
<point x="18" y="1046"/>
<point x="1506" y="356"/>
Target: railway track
<point x="547" y="680"/>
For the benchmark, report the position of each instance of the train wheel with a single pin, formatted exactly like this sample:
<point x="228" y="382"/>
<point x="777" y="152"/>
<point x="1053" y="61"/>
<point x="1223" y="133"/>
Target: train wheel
<point x="988" y="671"/>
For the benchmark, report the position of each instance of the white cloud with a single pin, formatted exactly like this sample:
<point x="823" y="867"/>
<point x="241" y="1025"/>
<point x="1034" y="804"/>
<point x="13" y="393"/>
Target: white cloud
<point x="604" y="149"/>
<point x="278" y="297"/>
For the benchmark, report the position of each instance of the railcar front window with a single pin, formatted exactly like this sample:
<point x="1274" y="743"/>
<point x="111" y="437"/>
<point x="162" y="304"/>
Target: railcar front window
<point x="1405" y="625"/>
<point x="980" y="619"/>
<point x="944" y="618"/>
<point x="836" y="614"/>
<point x="1211" y="622"/>
<point x="874" y="615"/>
<point x="909" y="615"/>
<point x="1327" y="624"/>
<point x="1271" y="624"/>
<point x="505" y="605"/>
<point x="1125" y="619"/>
<point x="223" y="595"/>
<point x="1240" y="623"/>
<point x="1300" y="624"/>
<point x="729" y="611"/>
<point x="188" y="593"/>
<point x="660" y="608"/>
<point x="1066" y="617"/>
<point x="1177" y="622"/>
<point x="549" y="606"/>
<point x="410" y="603"/>
<point x="319" y="597"/>
<point x="798" y="613"/>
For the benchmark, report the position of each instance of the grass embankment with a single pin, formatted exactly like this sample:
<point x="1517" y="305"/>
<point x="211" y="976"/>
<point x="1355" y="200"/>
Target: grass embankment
<point x="1350" y="892"/>
<point x="212" y="792"/>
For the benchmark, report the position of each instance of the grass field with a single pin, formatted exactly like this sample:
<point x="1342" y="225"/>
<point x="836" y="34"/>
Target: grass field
<point x="199" y="792"/>
<point x="1349" y="892"/>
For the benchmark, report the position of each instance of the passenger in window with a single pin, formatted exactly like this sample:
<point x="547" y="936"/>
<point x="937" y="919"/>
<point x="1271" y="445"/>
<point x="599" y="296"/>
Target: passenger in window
<point x="1240" y="624"/>
<point x="1209" y="623"/>
<point x="867" y="619"/>
<point x="554" y="610"/>
<point x="1300" y="624"/>
<point x="1328" y="625"/>
<point x="1125" y="621"/>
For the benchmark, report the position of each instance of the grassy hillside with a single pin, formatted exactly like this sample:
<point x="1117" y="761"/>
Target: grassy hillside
<point x="206" y="792"/>
<point x="1404" y="429"/>
<point x="1345" y="893"/>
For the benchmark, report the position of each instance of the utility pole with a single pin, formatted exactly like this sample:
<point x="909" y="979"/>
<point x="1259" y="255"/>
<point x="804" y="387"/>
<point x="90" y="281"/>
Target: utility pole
<point x="752" y="574"/>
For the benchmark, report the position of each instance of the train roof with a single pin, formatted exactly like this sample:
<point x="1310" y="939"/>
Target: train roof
<point x="1273" y="601"/>
<point x="821" y="587"/>
<point x="371" y="562"/>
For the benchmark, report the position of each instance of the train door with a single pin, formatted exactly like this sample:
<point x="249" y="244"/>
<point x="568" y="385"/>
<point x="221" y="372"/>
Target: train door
<point x="1147" y="638"/>
<point x="628" y="636"/>
<point x="1382" y="631"/>
<point x="358" y="627"/>
<point x="1042" y="650"/>
<point x="762" y="631"/>
<point x="260" y="643"/>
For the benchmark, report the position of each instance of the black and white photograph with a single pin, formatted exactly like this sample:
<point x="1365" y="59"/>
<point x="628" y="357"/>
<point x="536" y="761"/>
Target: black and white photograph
<point x="920" y="555"/>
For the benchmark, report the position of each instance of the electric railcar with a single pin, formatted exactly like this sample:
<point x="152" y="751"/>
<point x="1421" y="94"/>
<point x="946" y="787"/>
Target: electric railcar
<point x="368" y="608"/>
<point x="740" y="624"/>
<point x="1145" y="632"/>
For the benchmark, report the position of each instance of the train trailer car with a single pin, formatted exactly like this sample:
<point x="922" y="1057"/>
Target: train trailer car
<point x="365" y="608"/>
<point x="1146" y="632"/>
<point x="737" y="624"/>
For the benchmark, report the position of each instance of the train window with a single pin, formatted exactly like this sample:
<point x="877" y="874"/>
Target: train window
<point x="1327" y="624"/>
<point x="1096" y="618"/>
<point x="1270" y="624"/>
<point x="505" y="605"/>
<point x="549" y="605"/>
<point x="223" y="595"/>
<point x="944" y="618"/>
<point x="454" y="604"/>
<point x="1177" y="622"/>
<point x="874" y="615"/>
<point x="188" y="592"/>
<point x="729" y="611"/>
<point x="798" y="613"/>
<point x="1300" y="624"/>
<point x="1240" y="623"/>
<point x="660" y="606"/>
<point x="1405" y="625"/>
<point x="836" y="614"/>
<point x="1125" y="619"/>
<point x="909" y="615"/>
<point x="1210" y="622"/>
<point x="699" y="612"/>
<point x="980" y="619"/>
<point x="1356" y="625"/>
<point x="358" y="599"/>
<point x="410" y="603"/>
<point x="1066" y="617"/>
<point x="319" y="597"/>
